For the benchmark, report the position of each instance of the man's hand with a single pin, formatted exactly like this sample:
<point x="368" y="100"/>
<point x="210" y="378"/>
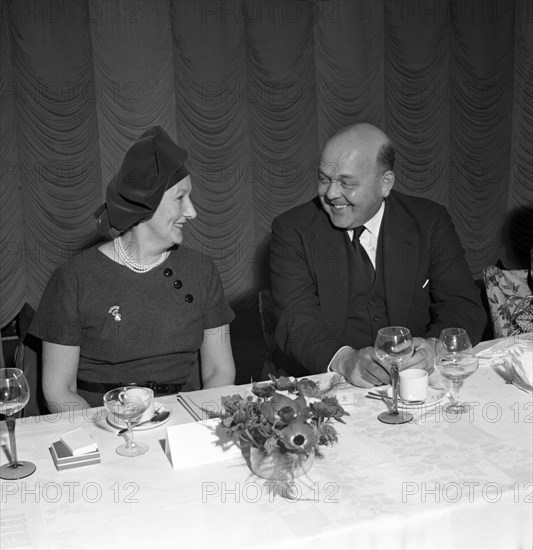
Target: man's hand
<point x="424" y="355"/>
<point x="360" y="367"/>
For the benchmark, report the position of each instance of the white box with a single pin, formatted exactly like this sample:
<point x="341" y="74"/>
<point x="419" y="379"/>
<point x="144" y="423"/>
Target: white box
<point x="78" y="442"/>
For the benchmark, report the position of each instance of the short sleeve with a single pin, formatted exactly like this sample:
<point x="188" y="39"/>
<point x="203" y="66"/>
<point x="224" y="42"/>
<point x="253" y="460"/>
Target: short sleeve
<point x="217" y="311"/>
<point x="56" y="319"/>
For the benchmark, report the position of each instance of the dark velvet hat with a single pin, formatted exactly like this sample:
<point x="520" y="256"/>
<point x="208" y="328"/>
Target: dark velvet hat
<point x="151" y="165"/>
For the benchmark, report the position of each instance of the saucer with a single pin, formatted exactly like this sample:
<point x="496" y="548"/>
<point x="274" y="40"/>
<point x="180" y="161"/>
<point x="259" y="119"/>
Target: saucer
<point x="435" y="396"/>
<point x="158" y="407"/>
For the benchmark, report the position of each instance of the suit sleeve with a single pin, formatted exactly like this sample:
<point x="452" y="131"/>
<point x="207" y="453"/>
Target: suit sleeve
<point x="302" y="334"/>
<point x="455" y="298"/>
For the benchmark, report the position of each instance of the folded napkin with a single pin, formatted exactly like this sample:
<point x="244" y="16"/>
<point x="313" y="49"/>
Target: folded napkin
<point x="512" y="356"/>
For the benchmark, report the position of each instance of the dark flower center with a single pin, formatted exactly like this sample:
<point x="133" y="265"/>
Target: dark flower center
<point x="299" y="440"/>
<point x="288" y="412"/>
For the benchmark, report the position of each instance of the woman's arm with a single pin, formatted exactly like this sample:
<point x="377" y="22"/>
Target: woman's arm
<point x="218" y="367"/>
<point x="60" y="369"/>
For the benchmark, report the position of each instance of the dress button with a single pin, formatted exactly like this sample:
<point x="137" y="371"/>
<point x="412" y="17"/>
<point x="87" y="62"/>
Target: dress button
<point x="189" y="298"/>
<point x="178" y="283"/>
<point x="167" y="272"/>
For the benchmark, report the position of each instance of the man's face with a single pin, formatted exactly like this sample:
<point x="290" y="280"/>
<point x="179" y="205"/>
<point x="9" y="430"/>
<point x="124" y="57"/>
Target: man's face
<point x="349" y="188"/>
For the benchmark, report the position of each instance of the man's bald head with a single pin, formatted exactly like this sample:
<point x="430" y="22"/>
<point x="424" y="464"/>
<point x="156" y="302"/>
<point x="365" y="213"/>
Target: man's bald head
<point x="355" y="174"/>
<point x="376" y="143"/>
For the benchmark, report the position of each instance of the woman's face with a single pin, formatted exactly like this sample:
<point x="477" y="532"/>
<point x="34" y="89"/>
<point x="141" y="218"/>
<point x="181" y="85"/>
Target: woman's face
<point x="175" y="208"/>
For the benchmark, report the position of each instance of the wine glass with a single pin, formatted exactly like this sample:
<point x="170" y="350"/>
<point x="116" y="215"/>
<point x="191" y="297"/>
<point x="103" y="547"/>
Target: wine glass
<point x="456" y="367"/>
<point x="128" y="404"/>
<point x="453" y="340"/>
<point x="14" y="395"/>
<point x="394" y="345"/>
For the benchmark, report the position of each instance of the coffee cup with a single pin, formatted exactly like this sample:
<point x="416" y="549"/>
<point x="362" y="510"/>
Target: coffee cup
<point x="414" y="385"/>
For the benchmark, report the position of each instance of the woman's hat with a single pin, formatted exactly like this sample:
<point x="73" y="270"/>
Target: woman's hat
<point x="151" y="165"/>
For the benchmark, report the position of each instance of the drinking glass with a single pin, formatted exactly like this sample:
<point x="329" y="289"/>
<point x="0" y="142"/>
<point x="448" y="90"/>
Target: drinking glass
<point x="453" y="340"/>
<point x="456" y="367"/>
<point x="393" y="346"/>
<point x="14" y="395"/>
<point x="127" y="404"/>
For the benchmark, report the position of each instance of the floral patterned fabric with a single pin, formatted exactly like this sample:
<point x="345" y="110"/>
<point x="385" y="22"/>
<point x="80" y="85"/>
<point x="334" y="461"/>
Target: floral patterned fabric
<point x="510" y="301"/>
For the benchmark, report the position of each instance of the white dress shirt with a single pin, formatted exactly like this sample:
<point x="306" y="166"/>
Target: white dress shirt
<point x="369" y="241"/>
<point x="369" y="238"/>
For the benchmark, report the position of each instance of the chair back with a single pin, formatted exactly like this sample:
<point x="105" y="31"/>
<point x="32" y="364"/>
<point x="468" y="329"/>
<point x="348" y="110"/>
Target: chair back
<point x="268" y="325"/>
<point x="28" y="359"/>
<point x="268" y="318"/>
<point x="506" y="291"/>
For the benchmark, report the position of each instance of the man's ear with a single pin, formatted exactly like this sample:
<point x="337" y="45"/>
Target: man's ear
<point x="387" y="183"/>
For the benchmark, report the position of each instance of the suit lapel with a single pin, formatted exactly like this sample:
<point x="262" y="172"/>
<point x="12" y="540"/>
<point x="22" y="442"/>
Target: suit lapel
<point x="401" y="243"/>
<point x="331" y="267"/>
<point x="401" y="248"/>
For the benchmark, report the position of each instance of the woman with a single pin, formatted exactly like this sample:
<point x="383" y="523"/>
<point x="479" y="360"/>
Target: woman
<point x="139" y="308"/>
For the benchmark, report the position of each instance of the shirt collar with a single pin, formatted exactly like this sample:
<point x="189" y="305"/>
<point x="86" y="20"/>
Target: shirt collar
<point x="374" y="223"/>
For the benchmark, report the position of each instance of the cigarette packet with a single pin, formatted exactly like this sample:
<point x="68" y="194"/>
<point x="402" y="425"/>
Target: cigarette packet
<point x="78" y="442"/>
<point x="64" y="460"/>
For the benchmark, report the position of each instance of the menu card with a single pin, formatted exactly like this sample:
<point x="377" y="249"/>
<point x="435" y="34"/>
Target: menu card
<point x="199" y="443"/>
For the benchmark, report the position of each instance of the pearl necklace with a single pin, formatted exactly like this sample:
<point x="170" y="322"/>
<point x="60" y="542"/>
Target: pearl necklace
<point x="134" y="266"/>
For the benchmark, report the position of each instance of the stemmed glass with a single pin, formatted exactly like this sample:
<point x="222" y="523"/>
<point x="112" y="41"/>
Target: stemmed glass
<point x="453" y="340"/>
<point x="456" y="367"/>
<point x="128" y="404"/>
<point x="393" y="346"/>
<point x="14" y="396"/>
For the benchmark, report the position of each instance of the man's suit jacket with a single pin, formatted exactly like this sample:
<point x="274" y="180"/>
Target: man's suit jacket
<point x="310" y="279"/>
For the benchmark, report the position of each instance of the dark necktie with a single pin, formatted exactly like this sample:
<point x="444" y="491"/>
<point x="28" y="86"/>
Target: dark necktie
<point x="365" y="269"/>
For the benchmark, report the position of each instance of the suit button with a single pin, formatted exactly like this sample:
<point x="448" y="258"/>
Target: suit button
<point x="189" y="298"/>
<point x="370" y="302"/>
<point x="375" y="318"/>
<point x="167" y="272"/>
<point x="178" y="284"/>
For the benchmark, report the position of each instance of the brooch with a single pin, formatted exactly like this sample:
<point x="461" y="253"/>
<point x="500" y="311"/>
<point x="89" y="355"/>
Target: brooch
<point x="114" y="311"/>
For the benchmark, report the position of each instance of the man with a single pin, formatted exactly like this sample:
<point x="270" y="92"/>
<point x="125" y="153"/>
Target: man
<point x="331" y="296"/>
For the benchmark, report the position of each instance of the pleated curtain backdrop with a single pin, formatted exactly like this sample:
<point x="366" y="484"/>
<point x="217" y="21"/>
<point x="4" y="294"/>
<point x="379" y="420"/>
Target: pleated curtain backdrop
<point x="252" y="89"/>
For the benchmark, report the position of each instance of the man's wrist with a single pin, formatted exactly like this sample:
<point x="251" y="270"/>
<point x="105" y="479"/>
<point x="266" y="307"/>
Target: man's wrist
<point x="345" y="363"/>
<point x="339" y="359"/>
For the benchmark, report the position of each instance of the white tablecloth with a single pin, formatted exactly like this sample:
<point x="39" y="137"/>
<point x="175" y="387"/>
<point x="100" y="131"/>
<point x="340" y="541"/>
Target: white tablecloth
<point x="436" y="482"/>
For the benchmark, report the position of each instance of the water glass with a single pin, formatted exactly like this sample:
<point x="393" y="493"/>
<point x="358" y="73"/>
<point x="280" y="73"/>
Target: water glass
<point x="456" y="367"/>
<point x="14" y="396"/>
<point x="453" y="340"/>
<point x="393" y="346"/>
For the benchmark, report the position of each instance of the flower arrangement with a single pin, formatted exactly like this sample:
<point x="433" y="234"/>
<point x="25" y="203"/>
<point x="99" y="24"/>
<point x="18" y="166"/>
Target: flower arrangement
<point x="295" y="422"/>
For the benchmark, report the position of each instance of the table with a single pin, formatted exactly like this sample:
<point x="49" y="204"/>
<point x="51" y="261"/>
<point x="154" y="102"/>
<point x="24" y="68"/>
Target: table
<point x="436" y="482"/>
